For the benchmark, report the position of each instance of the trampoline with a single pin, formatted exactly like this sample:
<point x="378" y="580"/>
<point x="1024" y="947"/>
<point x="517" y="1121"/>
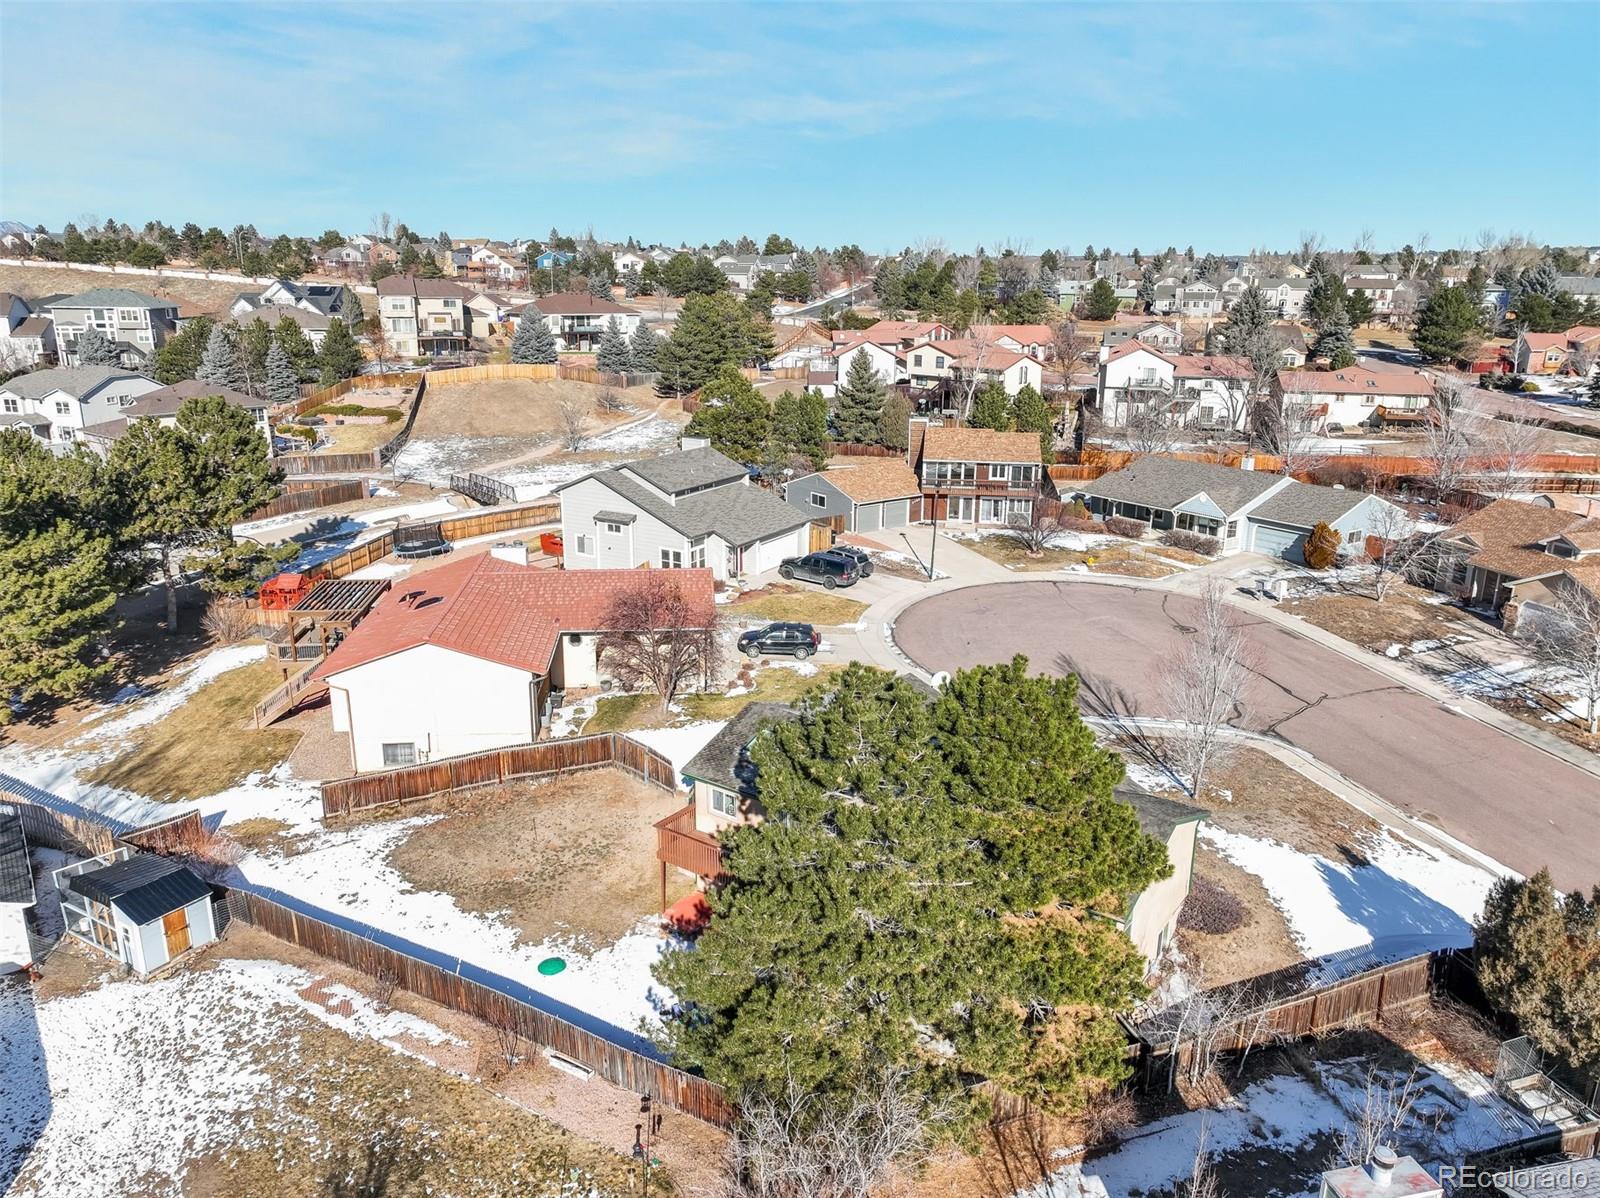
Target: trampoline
<point x="420" y="540"/>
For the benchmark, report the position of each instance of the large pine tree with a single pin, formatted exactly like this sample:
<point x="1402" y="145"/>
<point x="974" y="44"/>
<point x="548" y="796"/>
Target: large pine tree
<point x="1334" y="343"/>
<point x="95" y="349"/>
<point x="991" y="409"/>
<point x="859" y="403"/>
<point x="919" y="896"/>
<point x="1250" y="314"/>
<point x="1031" y="414"/>
<point x="642" y="347"/>
<point x="613" y="356"/>
<point x="282" y="381"/>
<point x="221" y="365"/>
<point x="533" y="344"/>
<point x="1448" y="325"/>
<point x="340" y="357"/>
<point x="735" y="416"/>
<point x="295" y="343"/>
<point x="1101" y="302"/>
<point x="800" y="430"/>
<point x="711" y="332"/>
<point x="179" y="358"/>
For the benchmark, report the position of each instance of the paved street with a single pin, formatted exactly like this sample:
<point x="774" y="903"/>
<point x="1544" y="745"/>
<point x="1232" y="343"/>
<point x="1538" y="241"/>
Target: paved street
<point x="1498" y="794"/>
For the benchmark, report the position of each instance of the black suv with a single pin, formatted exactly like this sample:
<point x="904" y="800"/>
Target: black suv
<point x="800" y="641"/>
<point x="861" y="557"/>
<point x="829" y="569"/>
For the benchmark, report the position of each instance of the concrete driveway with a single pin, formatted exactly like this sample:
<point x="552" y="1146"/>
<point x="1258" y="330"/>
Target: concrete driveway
<point x="1504" y="797"/>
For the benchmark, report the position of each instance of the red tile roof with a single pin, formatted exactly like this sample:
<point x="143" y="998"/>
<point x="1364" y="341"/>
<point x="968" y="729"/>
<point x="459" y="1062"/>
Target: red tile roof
<point x="484" y="606"/>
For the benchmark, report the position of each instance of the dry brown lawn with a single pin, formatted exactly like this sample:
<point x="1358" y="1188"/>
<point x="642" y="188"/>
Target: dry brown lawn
<point x="810" y="604"/>
<point x="214" y="297"/>
<point x="1128" y="559"/>
<point x="1407" y="615"/>
<point x="1266" y="798"/>
<point x="1260" y="944"/>
<point x="573" y="856"/>
<point x="516" y="408"/>
<point x="355" y="438"/>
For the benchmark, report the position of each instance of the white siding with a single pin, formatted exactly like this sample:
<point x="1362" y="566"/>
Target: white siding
<point x="445" y="703"/>
<point x="769" y="553"/>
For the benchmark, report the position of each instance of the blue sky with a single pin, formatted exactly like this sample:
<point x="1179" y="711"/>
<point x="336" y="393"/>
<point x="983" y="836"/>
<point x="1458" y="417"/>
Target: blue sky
<point x="1226" y="126"/>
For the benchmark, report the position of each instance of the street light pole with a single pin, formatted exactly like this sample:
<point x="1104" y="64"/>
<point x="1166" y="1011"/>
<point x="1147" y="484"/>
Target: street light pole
<point x="933" y="544"/>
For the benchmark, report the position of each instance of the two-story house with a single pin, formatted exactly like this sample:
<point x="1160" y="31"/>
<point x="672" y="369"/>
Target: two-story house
<point x="743" y="270"/>
<point x="322" y="299"/>
<point x="693" y="508"/>
<point x="55" y="405"/>
<point x="1356" y="395"/>
<point x="424" y="317"/>
<point x="1379" y="289"/>
<point x="628" y="263"/>
<point x="1286" y="296"/>
<point x="579" y="319"/>
<point x="1195" y="299"/>
<point x="933" y="364"/>
<point x="1202" y="390"/>
<point x="136" y="323"/>
<point x="26" y="338"/>
<point x="1549" y="353"/>
<point x="975" y="475"/>
<point x="162" y="405"/>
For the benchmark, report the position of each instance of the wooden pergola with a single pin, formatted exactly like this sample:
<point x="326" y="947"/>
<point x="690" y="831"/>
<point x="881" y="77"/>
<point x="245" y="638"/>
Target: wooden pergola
<point x="324" y="617"/>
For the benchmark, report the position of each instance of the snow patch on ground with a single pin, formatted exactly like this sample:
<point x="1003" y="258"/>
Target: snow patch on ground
<point x="1407" y="899"/>
<point x="679" y="745"/>
<point x="190" y="679"/>
<point x="653" y="432"/>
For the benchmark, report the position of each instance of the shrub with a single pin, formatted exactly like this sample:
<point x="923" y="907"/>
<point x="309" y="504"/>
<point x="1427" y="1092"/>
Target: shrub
<point x="228" y="621"/>
<point x="1211" y="909"/>
<point x="1077" y="510"/>
<point x="354" y="409"/>
<point x="1072" y="523"/>
<point x="309" y="435"/>
<point x="1322" y="547"/>
<point x="1195" y="542"/>
<point x="1123" y="526"/>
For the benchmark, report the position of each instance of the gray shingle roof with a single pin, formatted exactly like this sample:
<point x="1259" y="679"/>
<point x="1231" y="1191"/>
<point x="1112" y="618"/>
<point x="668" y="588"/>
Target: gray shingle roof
<point x="1166" y="482"/>
<point x="723" y="762"/>
<point x="16" y="874"/>
<point x="144" y="887"/>
<point x="113" y="297"/>
<point x="74" y="380"/>
<point x="1304" y="505"/>
<point x="1158" y="816"/>
<point x="738" y="514"/>
<point x="676" y="473"/>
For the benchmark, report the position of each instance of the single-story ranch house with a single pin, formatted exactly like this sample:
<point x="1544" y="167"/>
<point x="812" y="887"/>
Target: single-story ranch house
<point x="692" y="508"/>
<point x="859" y="494"/>
<point x="1244" y="509"/>
<point x="464" y="658"/>
<point x="1520" y="559"/>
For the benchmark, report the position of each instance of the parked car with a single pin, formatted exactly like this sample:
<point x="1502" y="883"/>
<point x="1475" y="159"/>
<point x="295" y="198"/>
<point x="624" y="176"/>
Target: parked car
<point x="800" y="641"/>
<point x="829" y="569"/>
<point x="861" y="557"/>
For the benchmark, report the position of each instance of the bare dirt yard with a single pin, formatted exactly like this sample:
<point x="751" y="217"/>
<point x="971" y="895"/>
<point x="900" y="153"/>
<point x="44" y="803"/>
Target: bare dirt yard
<point x="31" y="282"/>
<point x="1129" y="559"/>
<point x="1409" y="617"/>
<point x="573" y="856"/>
<point x="519" y="408"/>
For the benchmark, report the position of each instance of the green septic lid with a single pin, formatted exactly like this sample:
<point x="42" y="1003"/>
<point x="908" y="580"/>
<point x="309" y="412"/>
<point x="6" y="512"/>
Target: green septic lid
<point x="551" y="966"/>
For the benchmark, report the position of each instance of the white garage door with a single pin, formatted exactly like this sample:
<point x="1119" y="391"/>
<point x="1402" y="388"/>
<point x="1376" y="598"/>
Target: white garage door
<point x="1278" y="542"/>
<point x="769" y="553"/>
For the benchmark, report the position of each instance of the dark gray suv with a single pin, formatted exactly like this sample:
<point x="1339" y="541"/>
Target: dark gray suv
<point x="829" y="569"/>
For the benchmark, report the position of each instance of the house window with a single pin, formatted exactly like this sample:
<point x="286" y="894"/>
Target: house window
<point x="1352" y="537"/>
<point x="938" y="362"/>
<point x="697" y="556"/>
<point x="818" y="499"/>
<point x="998" y="472"/>
<point x="1233" y="529"/>
<point x="582" y="545"/>
<point x="63" y="408"/>
<point x="724" y="802"/>
<point x="611" y="528"/>
<point x="399" y="753"/>
<point x="127" y="316"/>
<point x="916" y="359"/>
<point x="13" y="405"/>
<point x="672" y="559"/>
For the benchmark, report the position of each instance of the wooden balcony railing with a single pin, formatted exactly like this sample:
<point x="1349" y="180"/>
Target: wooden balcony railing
<point x="677" y="843"/>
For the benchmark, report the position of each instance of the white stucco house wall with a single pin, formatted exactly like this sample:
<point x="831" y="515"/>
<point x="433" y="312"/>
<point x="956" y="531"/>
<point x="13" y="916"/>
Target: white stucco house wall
<point x="1206" y="390"/>
<point x="694" y="508"/>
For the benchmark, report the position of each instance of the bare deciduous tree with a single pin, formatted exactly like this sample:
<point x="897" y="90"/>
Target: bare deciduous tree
<point x="1568" y="639"/>
<point x="1398" y="551"/>
<point x="969" y="380"/>
<point x="1448" y="437"/>
<point x="570" y="413"/>
<point x="1150" y="421"/>
<point x="1386" y="1110"/>
<point x="1204" y="686"/>
<point x="1202" y="1181"/>
<point x="610" y="400"/>
<point x="796" y="1144"/>
<point x="659" y="638"/>
<point x="1041" y="529"/>
<point x="1283" y="423"/>
<point x="1510" y="441"/>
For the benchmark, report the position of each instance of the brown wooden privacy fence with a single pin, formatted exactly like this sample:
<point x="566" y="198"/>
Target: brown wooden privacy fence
<point x="58" y="824"/>
<point x="615" y="1063"/>
<point x="363" y="382"/>
<point x="755" y="374"/>
<point x="452" y="528"/>
<point x="358" y="463"/>
<point x="850" y="449"/>
<point x="1369" y="463"/>
<point x="413" y="782"/>
<point x="302" y="495"/>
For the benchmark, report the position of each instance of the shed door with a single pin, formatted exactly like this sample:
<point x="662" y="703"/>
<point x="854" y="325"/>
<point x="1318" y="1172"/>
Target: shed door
<point x="1279" y="542"/>
<point x="175" y="925"/>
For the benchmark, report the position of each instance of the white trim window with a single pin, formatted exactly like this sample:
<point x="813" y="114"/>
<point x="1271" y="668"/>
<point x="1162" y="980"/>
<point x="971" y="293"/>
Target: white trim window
<point x="611" y="528"/>
<point x="672" y="559"/>
<point x="818" y="499"/>
<point x="724" y="802"/>
<point x="697" y="555"/>
<point x="581" y="544"/>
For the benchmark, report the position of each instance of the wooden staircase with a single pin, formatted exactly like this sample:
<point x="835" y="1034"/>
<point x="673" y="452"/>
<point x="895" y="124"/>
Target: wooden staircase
<point x="297" y="690"/>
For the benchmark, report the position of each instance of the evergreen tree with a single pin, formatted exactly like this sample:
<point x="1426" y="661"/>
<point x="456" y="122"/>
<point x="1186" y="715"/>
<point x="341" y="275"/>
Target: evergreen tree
<point x="1249" y="315"/>
<point x="736" y="417"/>
<point x="1335" y="343"/>
<point x="1147" y="286"/>
<point x="221" y="364"/>
<point x="866" y="955"/>
<point x="302" y="356"/>
<point x="255" y="341"/>
<point x="613" y="356"/>
<point x="340" y="357"/>
<point x="1448" y="325"/>
<point x="711" y="331"/>
<point x="642" y="347"/>
<point x="1101" y="303"/>
<point x="282" y="379"/>
<point x="1031" y="414"/>
<point x="95" y="349"/>
<point x="600" y="287"/>
<point x="800" y="430"/>
<point x="1358" y="307"/>
<point x="58" y="573"/>
<point x="186" y="485"/>
<point x="991" y="409"/>
<point x="353" y="313"/>
<point x="1327" y="296"/>
<point x="894" y="422"/>
<point x="534" y="343"/>
<point x="179" y="358"/>
<point x="858" y="406"/>
<point x="890" y="287"/>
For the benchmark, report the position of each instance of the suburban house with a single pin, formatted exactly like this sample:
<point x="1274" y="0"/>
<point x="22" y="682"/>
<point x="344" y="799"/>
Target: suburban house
<point x="1379" y="289"/>
<point x="56" y="404"/>
<point x="859" y="494"/>
<point x="1165" y="337"/>
<point x="1356" y="395"/>
<point x="1550" y="353"/>
<point x="579" y="319"/>
<point x="1197" y="298"/>
<point x="488" y="308"/>
<point x="1244" y="509"/>
<point x="162" y="406"/>
<point x="1074" y="291"/>
<point x="16" y="892"/>
<point x="887" y="364"/>
<point x="140" y="909"/>
<point x="1286" y="296"/>
<point x="743" y="270"/>
<point x="975" y="475"/>
<point x="722" y="777"/>
<point x="464" y="658"/>
<point x="493" y="262"/>
<point x="1035" y="340"/>
<point x="26" y="339"/>
<point x="136" y="323"/>
<point x="694" y="508"/>
<point x="896" y="334"/>
<point x="552" y="259"/>
<point x="327" y="300"/>
<point x="1510" y="554"/>
<point x="628" y="263"/>
<point x="1150" y="918"/>
<point x="424" y="317"/>
<point x="341" y="259"/>
<point x="313" y="324"/>
<point x="1205" y="390"/>
<point x="930" y="364"/>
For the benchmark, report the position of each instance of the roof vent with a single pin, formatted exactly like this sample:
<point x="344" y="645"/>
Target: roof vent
<point x="1382" y="1166"/>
